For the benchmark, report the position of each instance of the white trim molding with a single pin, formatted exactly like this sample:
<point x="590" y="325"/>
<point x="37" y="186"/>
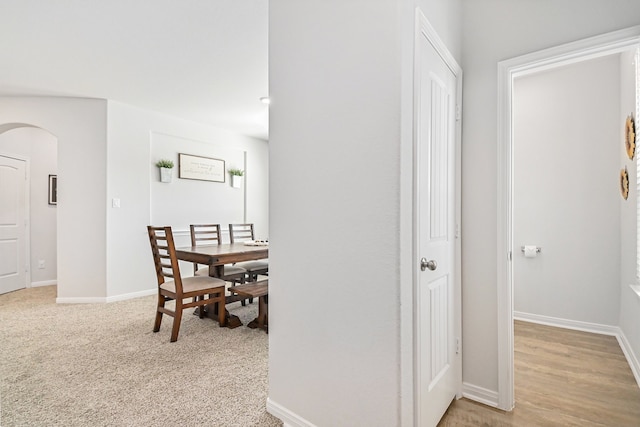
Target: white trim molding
<point x="288" y="418"/>
<point x="81" y="300"/>
<point x="479" y="394"/>
<point x="132" y="295"/>
<point x="508" y="70"/>
<point x="102" y="300"/>
<point x="632" y="358"/>
<point x="43" y="283"/>
<point x="576" y="325"/>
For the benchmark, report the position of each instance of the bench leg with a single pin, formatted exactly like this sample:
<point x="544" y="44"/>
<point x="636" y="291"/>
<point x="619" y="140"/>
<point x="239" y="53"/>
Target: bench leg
<point x="262" y="321"/>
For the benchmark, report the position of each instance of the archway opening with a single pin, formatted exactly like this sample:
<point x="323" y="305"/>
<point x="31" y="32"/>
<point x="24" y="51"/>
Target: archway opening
<point x="30" y="203"/>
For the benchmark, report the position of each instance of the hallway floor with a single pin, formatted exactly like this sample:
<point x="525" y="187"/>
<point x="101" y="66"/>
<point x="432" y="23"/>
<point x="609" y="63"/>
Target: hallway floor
<point x="562" y="378"/>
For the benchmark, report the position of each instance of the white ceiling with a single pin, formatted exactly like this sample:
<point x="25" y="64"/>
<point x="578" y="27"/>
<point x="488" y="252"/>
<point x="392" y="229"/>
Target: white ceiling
<point x="201" y="60"/>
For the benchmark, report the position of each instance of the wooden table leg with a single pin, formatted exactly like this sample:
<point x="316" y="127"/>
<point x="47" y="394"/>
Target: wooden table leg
<point x="211" y="311"/>
<point x="262" y="321"/>
<point x="232" y="321"/>
<point x="216" y="271"/>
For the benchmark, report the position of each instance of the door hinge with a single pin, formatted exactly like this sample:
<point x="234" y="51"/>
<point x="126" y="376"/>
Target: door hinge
<point x="510" y="255"/>
<point x="458" y="112"/>
<point x="457" y="345"/>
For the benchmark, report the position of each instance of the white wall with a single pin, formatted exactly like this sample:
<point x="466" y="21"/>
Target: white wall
<point x="496" y="30"/>
<point x="137" y="138"/>
<point x="40" y="149"/>
<point x="170" y="201"/>
<point x="566" y="192"/>
<point x="334" y="119"/>
<point x="340" y="122"/>
<point x="629" y="300"/>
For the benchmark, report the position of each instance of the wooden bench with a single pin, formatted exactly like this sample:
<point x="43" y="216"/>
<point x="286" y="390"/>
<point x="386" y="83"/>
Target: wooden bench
<point x="258" y="290"/>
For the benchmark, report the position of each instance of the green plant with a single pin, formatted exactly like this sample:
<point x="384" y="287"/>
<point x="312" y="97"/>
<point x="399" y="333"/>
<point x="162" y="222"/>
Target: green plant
<point x="236" y="172"/>
<point x="164" y="163"/>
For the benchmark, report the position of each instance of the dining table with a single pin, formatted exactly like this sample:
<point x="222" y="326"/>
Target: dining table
<point x="216" y="256"/>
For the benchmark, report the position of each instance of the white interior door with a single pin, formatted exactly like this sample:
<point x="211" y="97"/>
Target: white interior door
<point x="438" y="366"/>
<point x="12" y="224"/>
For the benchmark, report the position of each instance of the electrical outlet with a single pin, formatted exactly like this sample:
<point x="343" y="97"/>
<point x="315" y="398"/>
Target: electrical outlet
<point x="41" y="263"/>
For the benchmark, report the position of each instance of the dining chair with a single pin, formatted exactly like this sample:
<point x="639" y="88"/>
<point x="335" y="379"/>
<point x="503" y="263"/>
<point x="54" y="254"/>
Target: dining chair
<point x="202" y="290"/>
<point x="202" y="234"/>
<point x="242" y="233"/>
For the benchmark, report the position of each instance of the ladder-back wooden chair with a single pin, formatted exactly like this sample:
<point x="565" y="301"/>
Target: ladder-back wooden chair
<point x="202" y="290"/>
<point x="242" y="233"/>
<point x="210" y="234"/>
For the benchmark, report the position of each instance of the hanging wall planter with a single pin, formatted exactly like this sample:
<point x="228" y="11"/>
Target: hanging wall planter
<point x="236" y="177"/>
<point x="166" y="169"/>
<point x="236" y="181"/>
<point x="165" y="174"/>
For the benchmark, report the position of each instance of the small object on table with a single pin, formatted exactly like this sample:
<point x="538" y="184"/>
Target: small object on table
<point x="256" y="243"/>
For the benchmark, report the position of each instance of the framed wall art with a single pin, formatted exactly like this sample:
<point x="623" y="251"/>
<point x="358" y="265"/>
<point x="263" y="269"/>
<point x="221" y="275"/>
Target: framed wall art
<point x="200" y="168"/>
<point x="53" y="189"/>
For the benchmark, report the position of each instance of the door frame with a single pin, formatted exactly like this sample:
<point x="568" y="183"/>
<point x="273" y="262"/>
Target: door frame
<point x="27" y="213"/>
<point x="423" y="28"/>
<point x="508" y="70"/>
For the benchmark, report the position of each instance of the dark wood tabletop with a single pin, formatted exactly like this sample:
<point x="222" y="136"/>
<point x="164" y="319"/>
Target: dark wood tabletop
<point x="216" y="256"/>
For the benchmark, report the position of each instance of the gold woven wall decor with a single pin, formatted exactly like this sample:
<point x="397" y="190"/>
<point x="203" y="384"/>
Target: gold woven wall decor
<point x="624" y="183"/>
<point x="630" y="136"/>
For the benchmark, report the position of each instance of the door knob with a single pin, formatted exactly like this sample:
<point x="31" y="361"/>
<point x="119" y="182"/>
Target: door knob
<point x="431" y="264"/>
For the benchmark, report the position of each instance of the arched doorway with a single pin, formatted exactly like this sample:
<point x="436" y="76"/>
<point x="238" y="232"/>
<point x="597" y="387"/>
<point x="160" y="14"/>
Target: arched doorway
<point x="29" y="217"/>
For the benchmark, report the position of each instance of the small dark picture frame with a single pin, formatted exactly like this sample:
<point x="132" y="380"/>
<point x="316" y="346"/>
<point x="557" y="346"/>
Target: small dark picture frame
<point x="53" y="189"/>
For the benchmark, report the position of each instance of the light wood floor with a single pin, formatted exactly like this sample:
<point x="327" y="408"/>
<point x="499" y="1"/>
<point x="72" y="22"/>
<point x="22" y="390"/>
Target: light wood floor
<point x="562" y="378"/>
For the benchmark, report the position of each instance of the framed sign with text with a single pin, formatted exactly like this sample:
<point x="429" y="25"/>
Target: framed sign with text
<point x="200" y="168"/>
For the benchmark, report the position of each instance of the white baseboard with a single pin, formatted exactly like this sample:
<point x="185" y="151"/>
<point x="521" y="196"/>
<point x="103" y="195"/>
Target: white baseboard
<point x="99" y="300"/>
<point x="577" y="325"/>
<point x="479" y="394"/>
<point x="44" y="283"/>
<point x="288" y="418"/>
<point x="123" y="297"/>
<point x="634" y="364"/>
<point x="80" y="300"/>
<point x="595" y="328"/>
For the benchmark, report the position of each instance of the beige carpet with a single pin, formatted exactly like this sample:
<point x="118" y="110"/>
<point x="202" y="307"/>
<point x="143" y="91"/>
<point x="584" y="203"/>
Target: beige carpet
<point x="101" y="365"/>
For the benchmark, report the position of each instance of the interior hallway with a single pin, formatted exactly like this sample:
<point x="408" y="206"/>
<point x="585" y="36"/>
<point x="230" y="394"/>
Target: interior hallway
<point x="562" y="378"/>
